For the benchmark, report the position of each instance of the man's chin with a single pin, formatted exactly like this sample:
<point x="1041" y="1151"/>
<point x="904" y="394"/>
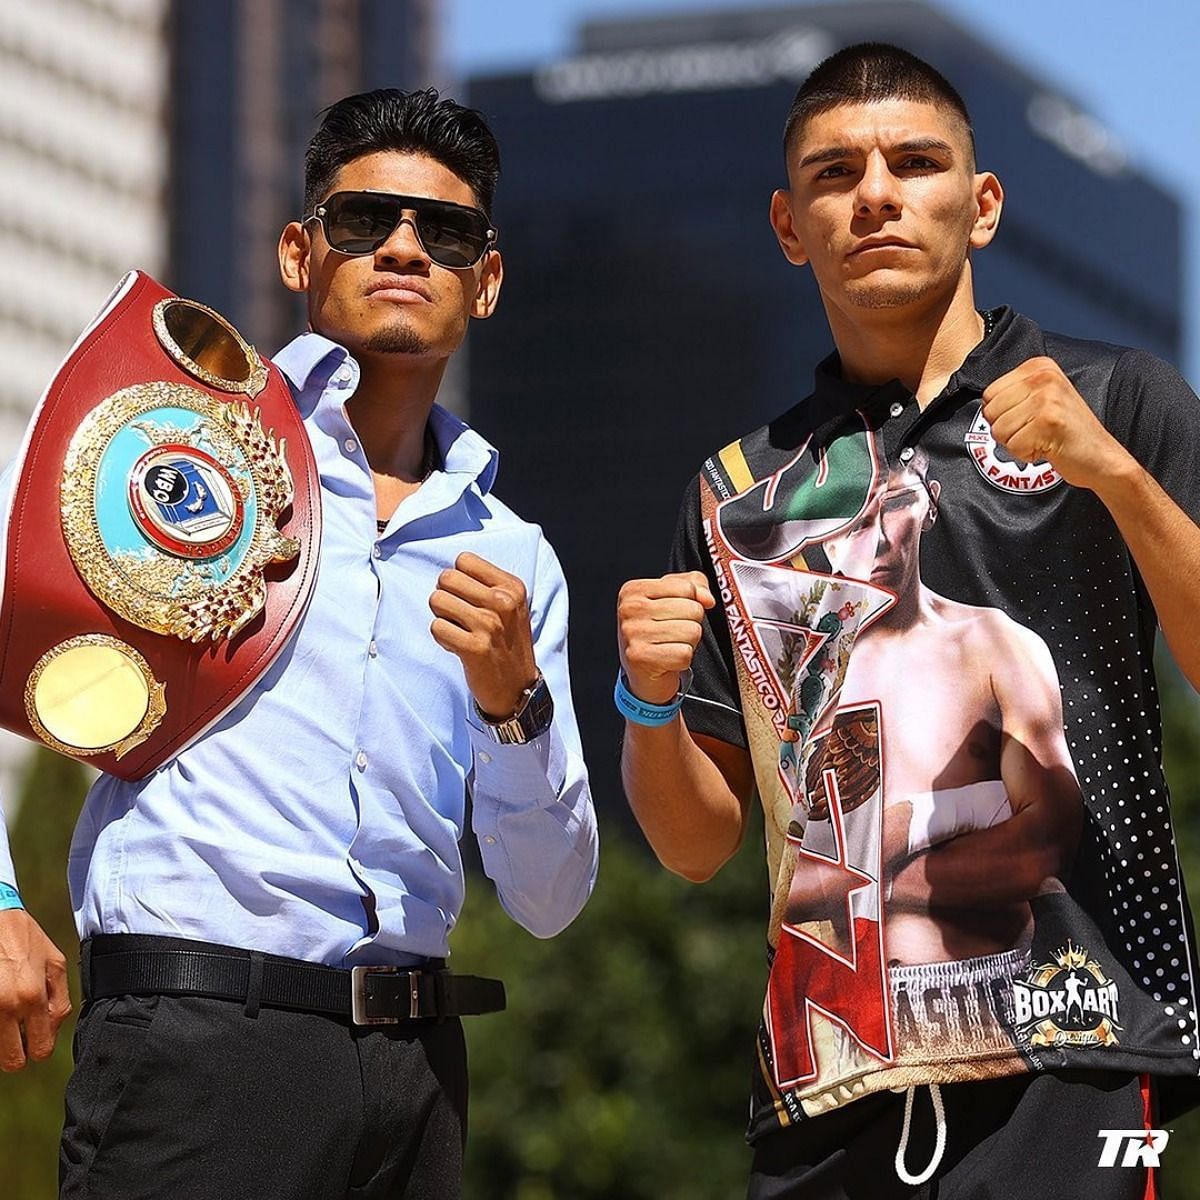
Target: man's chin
<point x="884" y="293"/>
<point x="401" y="340"/>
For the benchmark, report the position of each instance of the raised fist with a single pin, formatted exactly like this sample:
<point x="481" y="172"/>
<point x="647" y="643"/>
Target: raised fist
<point x="659" y="622"/>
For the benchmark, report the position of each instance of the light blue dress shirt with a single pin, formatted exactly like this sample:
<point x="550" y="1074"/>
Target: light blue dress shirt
<point x="320" y="818"/>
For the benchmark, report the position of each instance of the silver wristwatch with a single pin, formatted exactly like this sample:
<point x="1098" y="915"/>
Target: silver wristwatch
<point x="532" y="718"/>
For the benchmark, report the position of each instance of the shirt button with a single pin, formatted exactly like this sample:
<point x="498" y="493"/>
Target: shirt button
<point x="489" y="840"/>
<point x="360" y="760"/>
<point x="377" y="550"/>
<point x="351" y="445"/>
<point x="484" y="756"/>
<point x="906" y="454"/>
<point x="343" y="376"/>
<point x="373" y="649"/>
<point x="897" y="408"/>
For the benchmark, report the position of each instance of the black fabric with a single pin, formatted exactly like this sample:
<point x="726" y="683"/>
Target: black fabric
<point x="712" y="705"/>
<point x="181" y="1097"/>
<point x="136" y="964"/>
<point x="1036" y="1138"/>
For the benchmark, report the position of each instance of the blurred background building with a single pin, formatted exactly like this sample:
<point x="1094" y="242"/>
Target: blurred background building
<point x="248" y="78"/>
<point x="83" y="166"/>
<point x="648" y="316"/>
<point x="83" y="171"/>
<point x="166" y="135"/>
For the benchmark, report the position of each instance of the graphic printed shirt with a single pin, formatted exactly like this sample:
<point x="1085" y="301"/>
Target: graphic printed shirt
<point x="940" y="660"/>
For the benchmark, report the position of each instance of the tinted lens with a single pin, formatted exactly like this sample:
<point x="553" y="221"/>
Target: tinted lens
<point x="360" y="222"/>
<point x="454" y="237"/>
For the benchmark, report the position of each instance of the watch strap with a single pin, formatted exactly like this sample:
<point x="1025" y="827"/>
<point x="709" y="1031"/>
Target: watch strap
<point x="532" y="718"/>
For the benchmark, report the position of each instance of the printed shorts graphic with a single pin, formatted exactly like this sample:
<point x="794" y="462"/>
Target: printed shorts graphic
<point x="1067" y="1002"/>
<point x="1000" y="469"/>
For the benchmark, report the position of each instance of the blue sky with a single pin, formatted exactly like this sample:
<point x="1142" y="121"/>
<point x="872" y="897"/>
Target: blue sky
<point x="1131" y="65"/>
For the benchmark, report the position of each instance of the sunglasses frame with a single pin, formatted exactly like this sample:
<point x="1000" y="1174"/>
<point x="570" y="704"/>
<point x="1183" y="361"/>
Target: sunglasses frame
<point x="410" y="205"/>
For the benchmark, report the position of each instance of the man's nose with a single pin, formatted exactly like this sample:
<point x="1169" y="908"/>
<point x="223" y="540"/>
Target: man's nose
<point x="403" y="244"/>
<point x="878" y="189"/>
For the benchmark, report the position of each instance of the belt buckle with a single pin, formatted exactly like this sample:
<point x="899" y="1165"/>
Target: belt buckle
<point x="358" y="995"/>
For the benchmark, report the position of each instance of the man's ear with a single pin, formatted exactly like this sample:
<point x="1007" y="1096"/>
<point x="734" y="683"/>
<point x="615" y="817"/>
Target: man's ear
<point x="989" y="195"/>
<point x="785" y="230"/>
<point x="487" y="290"/>
<point x="294" y="250"/>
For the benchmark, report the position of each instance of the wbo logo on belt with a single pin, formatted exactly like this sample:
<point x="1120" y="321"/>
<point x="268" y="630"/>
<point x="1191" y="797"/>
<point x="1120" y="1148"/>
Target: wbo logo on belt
<point x="162" y="536"/>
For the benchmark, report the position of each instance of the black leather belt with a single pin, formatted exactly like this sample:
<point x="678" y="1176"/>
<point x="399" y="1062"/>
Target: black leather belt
<point x="137" y="964"/>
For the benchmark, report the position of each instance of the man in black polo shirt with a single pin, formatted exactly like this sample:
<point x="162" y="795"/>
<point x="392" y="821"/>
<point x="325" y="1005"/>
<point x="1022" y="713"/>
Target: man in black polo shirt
<point x="919" y="611"/>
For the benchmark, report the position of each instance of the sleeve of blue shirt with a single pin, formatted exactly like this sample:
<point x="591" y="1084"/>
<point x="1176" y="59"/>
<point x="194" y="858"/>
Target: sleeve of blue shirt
<point x="533" y="813"/>
<point x="8" y="873"/>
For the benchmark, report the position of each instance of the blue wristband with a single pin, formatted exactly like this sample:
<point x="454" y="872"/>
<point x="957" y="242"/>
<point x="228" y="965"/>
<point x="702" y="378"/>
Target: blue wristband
<point x="642" y="713"/>
<point x="9" y="897"/>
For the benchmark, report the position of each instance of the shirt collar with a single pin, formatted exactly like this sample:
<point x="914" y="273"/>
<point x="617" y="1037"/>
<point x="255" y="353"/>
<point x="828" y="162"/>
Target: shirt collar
<point x="463" y="451"/>
<point x="1013" y="339"/>
<point x="309" y="363"/>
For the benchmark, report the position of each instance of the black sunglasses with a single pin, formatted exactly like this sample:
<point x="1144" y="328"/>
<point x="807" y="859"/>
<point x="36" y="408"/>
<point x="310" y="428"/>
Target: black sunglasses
<point x="453" y="235"/>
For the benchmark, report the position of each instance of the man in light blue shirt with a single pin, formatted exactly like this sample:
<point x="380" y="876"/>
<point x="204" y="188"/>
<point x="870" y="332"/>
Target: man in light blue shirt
<point x="316" y="826"/>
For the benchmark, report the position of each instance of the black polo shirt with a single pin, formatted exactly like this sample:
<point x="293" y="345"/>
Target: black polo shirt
<point x="940" y="660"/>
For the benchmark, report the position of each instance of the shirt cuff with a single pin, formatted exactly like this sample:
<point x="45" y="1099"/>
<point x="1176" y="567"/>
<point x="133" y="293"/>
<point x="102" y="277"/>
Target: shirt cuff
<point x="8" y="872"/>
<point x="516" y="775"/>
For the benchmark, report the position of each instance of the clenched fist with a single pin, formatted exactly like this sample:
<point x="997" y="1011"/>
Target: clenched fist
<point x="34" y="1000"/>
<point x="659" y="622"/>
<point x="1037" y="415"/>
<point x="482" y="616"/>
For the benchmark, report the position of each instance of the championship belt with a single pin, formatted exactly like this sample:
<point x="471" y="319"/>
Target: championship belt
<point x="162" y="535"/>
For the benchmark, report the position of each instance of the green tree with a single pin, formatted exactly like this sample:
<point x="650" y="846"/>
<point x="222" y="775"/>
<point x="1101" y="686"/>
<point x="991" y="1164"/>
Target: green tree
<point x="31" y="1102"/>
<point x="1181" y="756"/>
<point x="622" y="1066"/>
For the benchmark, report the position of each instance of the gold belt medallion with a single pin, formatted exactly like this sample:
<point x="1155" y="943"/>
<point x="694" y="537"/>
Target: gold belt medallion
<point x="171" y="503"/>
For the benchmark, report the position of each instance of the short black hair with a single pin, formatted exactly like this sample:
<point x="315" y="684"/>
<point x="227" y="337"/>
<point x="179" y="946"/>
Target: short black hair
<point x="420" y="122"/>
<point x="866" y="73"/>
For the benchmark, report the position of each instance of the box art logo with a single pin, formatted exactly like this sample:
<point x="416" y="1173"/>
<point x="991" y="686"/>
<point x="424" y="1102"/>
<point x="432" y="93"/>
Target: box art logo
<point x="1067" y="1002"/>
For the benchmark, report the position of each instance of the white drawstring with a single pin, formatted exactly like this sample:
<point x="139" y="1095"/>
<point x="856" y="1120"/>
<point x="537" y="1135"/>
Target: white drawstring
<point x="939" y="1114"/>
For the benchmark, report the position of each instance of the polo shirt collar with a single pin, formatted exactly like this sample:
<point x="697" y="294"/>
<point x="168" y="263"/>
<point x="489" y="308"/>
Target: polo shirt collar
<point x="1013" y="339"/>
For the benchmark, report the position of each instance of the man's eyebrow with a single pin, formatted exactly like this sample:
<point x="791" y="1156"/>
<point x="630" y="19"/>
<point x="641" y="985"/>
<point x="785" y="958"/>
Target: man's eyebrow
<point x="919" y="145"/>
<point x="829" y="154"/>
<point x="912" y="146"/>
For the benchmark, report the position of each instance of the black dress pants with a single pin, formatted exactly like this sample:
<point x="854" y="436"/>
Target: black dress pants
<point x="192" y="1099"/>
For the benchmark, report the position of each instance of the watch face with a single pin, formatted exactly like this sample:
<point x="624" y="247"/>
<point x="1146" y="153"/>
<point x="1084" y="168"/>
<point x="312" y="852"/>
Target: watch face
<point x="539" y="712"/>
<point x="532" y="720"/>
